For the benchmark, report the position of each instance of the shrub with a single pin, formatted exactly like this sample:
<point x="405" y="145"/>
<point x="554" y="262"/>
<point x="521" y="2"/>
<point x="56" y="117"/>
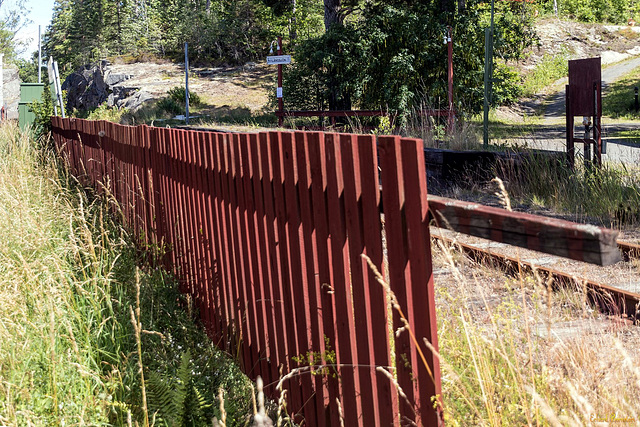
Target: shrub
<point x="178" y="94"/>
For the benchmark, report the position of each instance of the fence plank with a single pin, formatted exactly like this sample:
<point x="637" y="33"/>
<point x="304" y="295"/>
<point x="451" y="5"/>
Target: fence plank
<point x="261" y="331"/>
<point x="345" y="328"/>
<point x="318" y="168"/>
<point x="275" y="330"/>
<point x="350" y="146"/>
<point x="297" y="262"/>
<point x="282" y="242"/>
<point x="405" y="208"/>
<point x="310" y="251"/>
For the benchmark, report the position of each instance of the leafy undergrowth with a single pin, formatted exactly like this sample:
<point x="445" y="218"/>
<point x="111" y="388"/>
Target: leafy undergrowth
<point x="72" y="285"/>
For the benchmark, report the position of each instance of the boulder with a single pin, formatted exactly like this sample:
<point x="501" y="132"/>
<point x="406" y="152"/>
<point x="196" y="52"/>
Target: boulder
<point x="92" y="85"/>
<point x="134" y="102"/>
<point x="86" y="88"/>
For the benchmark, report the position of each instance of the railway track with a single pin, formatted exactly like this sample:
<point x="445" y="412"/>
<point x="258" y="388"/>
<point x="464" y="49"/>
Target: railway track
<point x="607" y="298"/>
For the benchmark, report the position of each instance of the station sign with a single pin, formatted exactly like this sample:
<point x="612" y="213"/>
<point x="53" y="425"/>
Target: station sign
<point x="278" y="59"/>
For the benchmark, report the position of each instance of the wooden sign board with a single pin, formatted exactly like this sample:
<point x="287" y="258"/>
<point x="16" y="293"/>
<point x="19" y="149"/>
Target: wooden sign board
<point x="583" y="73"/>
<point x="278" y="59"/>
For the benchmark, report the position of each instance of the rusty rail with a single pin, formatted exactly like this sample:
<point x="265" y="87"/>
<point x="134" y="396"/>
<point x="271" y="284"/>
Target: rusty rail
<point x="608" y="299"/>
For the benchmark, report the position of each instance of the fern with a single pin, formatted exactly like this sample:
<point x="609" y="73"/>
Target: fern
<point x="177" y="402"/>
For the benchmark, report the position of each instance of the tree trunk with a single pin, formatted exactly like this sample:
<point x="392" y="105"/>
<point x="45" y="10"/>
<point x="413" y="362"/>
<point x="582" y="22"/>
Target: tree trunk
<point x="331" y="13"/>
<point x="293" y="24"/>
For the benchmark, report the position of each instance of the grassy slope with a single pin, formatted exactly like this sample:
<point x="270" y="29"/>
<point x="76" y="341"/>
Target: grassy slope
<point x="68" y="352"/>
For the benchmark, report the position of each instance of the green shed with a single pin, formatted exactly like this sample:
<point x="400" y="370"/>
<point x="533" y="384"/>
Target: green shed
<point x="29" y="92"/>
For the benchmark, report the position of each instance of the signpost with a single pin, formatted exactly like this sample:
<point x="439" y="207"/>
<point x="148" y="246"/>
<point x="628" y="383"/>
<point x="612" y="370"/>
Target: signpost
<point x="279" y="60"/>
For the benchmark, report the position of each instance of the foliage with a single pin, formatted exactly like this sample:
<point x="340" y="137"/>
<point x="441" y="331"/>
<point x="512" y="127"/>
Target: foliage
<point x="170" y="106"/>
<point x="43" y="110"/>
<point x="12" y="20"/>
<point x="103" y="112"/>
<point x="618" y="101"/>
<point x="216" y="30"/>
<point x="610" y="195"/>
<point x="550" y="69"/>
<point x="614" y="11"/>
<point x="179" y="95"/>
<point x="392" y="57"/>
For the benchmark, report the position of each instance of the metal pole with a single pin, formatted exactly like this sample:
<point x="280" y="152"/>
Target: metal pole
<point x="52" y="83"/>
<point x="186" y="80"/>
<point x="279" y="90"/>
<point x="1" y="80"/>
<point x="488" y="71"/>
<point x="487" y="74"/>
<point x="56" y="74"/>
<point x="450" y="79"/>
<point x="39" y="56"/>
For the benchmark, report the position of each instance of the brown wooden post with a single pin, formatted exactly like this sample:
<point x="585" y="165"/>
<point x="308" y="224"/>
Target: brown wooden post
<point x="569" y="116"/>
<point x="597" y="122"/>
<point x="279" y="90"/>
<point x="450" y="117"/>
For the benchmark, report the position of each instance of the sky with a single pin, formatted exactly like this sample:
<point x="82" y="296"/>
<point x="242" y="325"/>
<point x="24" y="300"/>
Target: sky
<point x="39" y="13"/>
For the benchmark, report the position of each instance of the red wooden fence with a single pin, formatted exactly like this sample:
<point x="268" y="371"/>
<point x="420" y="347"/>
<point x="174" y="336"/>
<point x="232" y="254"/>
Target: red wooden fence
<point x="266" y="231"/>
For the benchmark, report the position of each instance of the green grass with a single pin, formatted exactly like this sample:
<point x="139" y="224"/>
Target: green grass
<point x="618" y="98"/>
<point x="550" y="69"/>
<point x="69" y="277"/>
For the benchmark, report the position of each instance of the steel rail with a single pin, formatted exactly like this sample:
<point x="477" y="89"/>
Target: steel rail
<point x="608" y="299"/>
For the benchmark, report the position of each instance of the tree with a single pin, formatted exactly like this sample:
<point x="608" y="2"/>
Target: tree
<point x="11" y="22"/>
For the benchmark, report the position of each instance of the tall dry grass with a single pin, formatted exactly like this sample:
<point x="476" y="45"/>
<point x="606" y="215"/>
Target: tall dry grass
<point x="515" y="352"/>
<point x="70" y="277"/>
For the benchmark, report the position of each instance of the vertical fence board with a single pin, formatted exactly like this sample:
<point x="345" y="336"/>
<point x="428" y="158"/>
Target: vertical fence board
<point x="318" y="169"/>
<point x="246" y="301"/>
<point x="403" y="212"/>
<point x="219" y="296"/>
<point x="420" y="282"/>
<point x="275" y="340"/>
<point x="256" y="290"/>
<point x="309" y="244"/>
<point x="354" y="216"/>
<point x="345" y="329"/>
<point x="297" y="262"/>
<point x="201" y="253"/>
<point x="375" y="296"/>
<point x="283" y="363"/>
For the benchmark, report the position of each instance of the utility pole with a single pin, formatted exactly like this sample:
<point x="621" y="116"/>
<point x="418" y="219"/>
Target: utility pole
<point x="186" y="80"/>
<point x="39" y="56"/>
<point x="488" y="71"/>
<point x="450" y="79"/>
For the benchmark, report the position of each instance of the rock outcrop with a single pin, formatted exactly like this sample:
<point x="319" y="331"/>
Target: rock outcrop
<point x="96" y="84"/>
<point x="11" y="90"/>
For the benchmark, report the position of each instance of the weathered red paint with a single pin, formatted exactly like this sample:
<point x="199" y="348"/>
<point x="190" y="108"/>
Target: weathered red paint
<point x="265" y="232"/>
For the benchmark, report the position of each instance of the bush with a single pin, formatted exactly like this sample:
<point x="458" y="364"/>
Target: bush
<point x="178" y="94"/>
<point x="43" y="110"/>
<point x="104" y="112"/>
<point x="170" y="106"/>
